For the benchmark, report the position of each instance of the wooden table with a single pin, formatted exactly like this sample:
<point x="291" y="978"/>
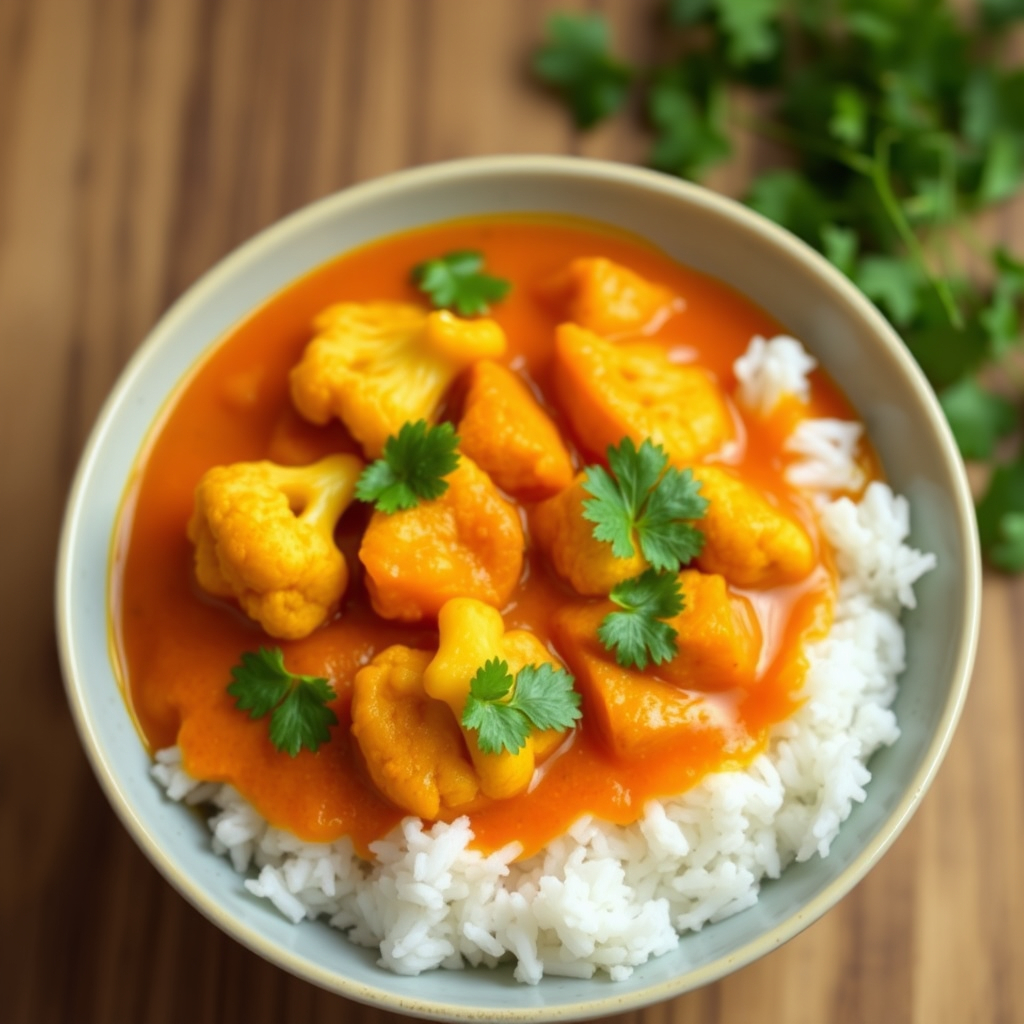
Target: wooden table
<point x="141" y="140"/>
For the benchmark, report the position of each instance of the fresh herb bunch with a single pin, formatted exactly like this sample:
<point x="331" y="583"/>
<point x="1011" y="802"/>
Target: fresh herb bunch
<point x="457" y="281"/>
<point x="412" y="469"/>
<point x="503" y="710"/>
<point x="297" y="705"/>
<point x="901" y="120"/>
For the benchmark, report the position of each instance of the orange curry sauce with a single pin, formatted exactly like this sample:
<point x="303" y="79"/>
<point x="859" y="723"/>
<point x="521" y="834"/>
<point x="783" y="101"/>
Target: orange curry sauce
<point x="176" y="646"/>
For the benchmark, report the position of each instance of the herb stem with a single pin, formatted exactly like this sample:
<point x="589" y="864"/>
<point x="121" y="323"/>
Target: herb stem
<point x="883" y="186"/>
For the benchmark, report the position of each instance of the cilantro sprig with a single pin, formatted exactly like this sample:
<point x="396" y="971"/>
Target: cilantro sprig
<point x="457" y="281"/>
<point x="575" y="61"/>
<point x="413" y="468"/>
<point x="900" y="122"/>
<point x="297" y="704"/>
<point x="641" y="502"/>
<point x="502" y="709"/>
<point x="639" y="634"/>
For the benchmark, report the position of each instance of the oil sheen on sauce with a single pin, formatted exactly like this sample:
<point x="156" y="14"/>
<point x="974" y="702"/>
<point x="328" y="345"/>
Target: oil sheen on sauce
<point x="176" y="646"/>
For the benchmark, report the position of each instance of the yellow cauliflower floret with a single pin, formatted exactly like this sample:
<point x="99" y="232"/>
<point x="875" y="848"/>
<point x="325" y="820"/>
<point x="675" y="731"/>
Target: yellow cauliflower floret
<point x="472" y="633"/>
<point x="411" y="744"/>
<point x="568" y="540"/>
<point x="264" y="535"/>
<point x="607" y="297"/>
<point x="747" y="539"/>
<point x="377" y="365"/>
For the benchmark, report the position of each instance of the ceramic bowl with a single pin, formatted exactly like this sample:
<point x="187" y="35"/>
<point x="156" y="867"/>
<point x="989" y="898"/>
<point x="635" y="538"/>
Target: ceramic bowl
<point x="794" y="284"/>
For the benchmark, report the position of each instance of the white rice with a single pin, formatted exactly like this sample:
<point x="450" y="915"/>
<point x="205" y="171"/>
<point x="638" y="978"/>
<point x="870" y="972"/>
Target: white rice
<point x="603" y="897"/>
<point x="770" y="370"/>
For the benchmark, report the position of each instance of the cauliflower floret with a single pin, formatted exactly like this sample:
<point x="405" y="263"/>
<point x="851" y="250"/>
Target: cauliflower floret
<point x="378" y="365"/>
<point x="610" y="391"/>
<point x="747" y="539"/>
<point x="472" y="633"/>
<point x="264" y="535"/>
<point x="607" y="297"/>
<point x="411" y="744"/>
<point x="568" y="540"/>
<point x="509" y="435"/>
<point x="466" y="543"/>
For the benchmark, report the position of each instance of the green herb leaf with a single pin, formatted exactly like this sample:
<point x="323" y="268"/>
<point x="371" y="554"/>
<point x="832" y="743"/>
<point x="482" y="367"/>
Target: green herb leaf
<point x="642" y="502"/>
<point x="412" y="469"/>
<point x="503" y="710"/>
<point x="791" y="200"/>
<point x="751" y="28"/>
<point x="297" y="705"/>
<point x="978" y="418"/>
<point x="576" y="61"/>
<point x="638" y="634"/>
<point x="456" y="281"/>
<point x="690" y="132"/>
<point x="1000" y="516"/>
<point x="892" y="283"/>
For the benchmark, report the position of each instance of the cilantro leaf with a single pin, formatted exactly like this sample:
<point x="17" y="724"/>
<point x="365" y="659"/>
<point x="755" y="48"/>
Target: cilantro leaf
<point x="893" y="284"/>
<point x="503" y="710"/>
<point x="576" y="61"/>
<point x="689" y="121"/>
<point x="789" y="199"/>
<point x="1001" y="318"/>
<point x="1000" y="512"/>
<point x="642" y="502"/>
<point x="751" y="28"/>
<point x="638" y="634"/>
<point x="297" y="705"/>
<point x="415" y="462"/>
<point x="456" y="281"/>
<point x="978" y="418"/>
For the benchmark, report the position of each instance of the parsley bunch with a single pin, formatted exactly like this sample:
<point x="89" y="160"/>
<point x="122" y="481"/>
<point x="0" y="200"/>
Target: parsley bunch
<point x="503" y="710"/>
<point x="297" y="705"/>
<point x="901" y="121"/>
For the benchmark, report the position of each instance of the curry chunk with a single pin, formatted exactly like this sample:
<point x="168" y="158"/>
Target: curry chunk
<point x="634" y="713"/>
<point x="506" y="432"/>
<point x="607" y="297"/>
<point x="747" y="539"/>
<point x="610" y="391"/>
<point x="466" y="543"/>
<point x="472" y="633"/>
<point x="719" y="637"/>
<point x="264" y="535"/>
<point x="411" y="744"/>
<point x="377" y="365"/>
<point x="584" y="562"/>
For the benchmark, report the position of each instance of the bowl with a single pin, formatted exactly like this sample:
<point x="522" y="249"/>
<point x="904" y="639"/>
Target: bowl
<point x="713" y="234"/>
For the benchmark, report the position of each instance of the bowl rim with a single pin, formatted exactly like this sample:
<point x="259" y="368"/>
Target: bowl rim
<point x="523" y="166"/>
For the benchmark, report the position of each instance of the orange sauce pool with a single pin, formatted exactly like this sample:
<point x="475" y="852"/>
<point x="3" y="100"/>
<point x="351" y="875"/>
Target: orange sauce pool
<point x="176" y="646"/>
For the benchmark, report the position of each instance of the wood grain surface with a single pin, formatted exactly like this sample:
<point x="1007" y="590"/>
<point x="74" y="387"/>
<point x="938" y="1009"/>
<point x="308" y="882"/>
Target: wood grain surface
<point x="140" y="141"/>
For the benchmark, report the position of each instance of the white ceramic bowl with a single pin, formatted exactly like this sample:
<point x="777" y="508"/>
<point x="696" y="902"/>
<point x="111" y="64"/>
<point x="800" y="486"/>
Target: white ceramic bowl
<point x="715" y="235"/>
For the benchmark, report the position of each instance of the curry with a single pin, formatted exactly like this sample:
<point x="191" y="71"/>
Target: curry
<point x="601" y="341"/>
